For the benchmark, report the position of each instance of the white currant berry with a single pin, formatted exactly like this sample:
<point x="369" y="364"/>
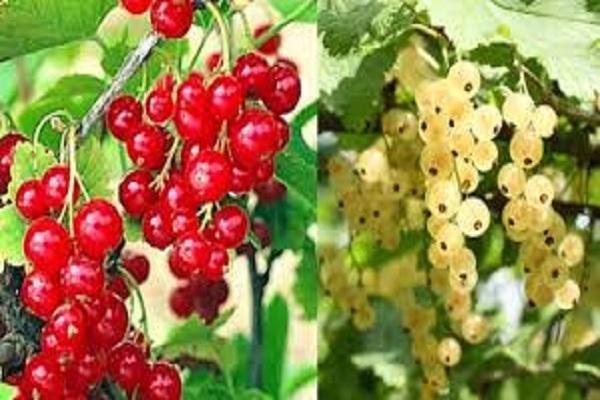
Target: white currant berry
<point x="518" y="109"/>
<point x="486" y="122"/>
<point x="458" y="304"/>
<point x="511" y="180"/>
<point x="463" y="272"/>
<point x="475" y="328"/>
<point x="467" y="175"/>
<point x="465" y="76"/>
<point x="567" y="296"/>
<point x="473" y="217"/>
<point x="372" y="165"/>
<point x="443" y="198"/>
<point x="539" y="191"/>
<point x="484" y="155"/>
<point x="450" y="238"/>
<point x="526" y="150"/>
<point x="544" y="121"/>
<point x="462" y="143"/>
<point x="538" y="294"/>
<point x="554" y="272"/>
<point x="397" y="123"/>
<point x="449" y="351"/>
<point x="436" y="161"/>
<point x="571" y="249"/>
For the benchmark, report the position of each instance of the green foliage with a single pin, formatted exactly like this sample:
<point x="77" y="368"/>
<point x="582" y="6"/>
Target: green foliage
<point x="28" y="26"/>
<point x="74" y="94"/>
<point x="96" y="168"/>
<point x="12" y="231"/>
<point x="559" y="34"/>
<point x="307" y="282"/>
<point x="132" y="229"/>
<point x="30" y="162"/>
<point x="276" y="325"/>
<point x="7" y="392"/>
<point x="288" y="7"/>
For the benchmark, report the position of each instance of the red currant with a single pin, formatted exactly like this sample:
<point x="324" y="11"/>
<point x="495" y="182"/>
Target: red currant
<point x="82" y="277"/>
<point x="190" y="253"/>
<point x="172" y="18"/>
<point x="156" y="226"/>
<point x="136" y="193"/>
<point x="231" y="224"/>
<point x="217" y="261"/>
<point x="265" y="170"/>
<point x="55" y="183"/>
<point x="262" y="231"/>
<point x="197" y="125"/>
<point x="209" y="176"/>
<point x="282" y="93"/>
<point x="147" y="147"/>
<point x="119" y="287"/>
<point x="127" y="365"/>
<point x="98" y="228"/>
<point x="213" y="62"/>
<point x="181" y="303"/>
<point x="192" y="93"/>
<point x="226" y="97"/>
<point x="30" y="200"/>
<point x="136" y="6"/>
<point x="41" y="294"/>
<point x="47" y="245"/>
<point x="243" y="180"/>
<point x="85" y="372"/>
<point x="176" y="194"/>
<point x="161" y="382"/>
<point x="8" y="143"/>
<point x="183" y="221"/>
<point x="189" y="151"/>
<point x="137" y="265"/>
<point x="254" y="137"/>
<point x="43" y="377"/>
<point x="123" y="117"/>
<point x="159" y="106"/>
<point x="68" y="330"/>
<point x="271" y="191"/>
<point x="112" y="325"/>
<point x="284" y="132"/>
<point x="272" y="45"/>
<point x="252" y="71"/>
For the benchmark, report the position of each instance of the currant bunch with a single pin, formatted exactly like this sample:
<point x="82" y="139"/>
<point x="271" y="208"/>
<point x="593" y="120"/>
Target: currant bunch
<point x="198" y="146"/>
<point x="171" y="18"/>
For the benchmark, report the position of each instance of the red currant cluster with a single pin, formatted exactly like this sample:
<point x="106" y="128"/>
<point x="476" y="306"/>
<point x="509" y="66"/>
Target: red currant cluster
<point x="86" y="336"/>
<point x="7" y="151"/>
<point x="171" y="18"/>
<point x="229" y="144"/>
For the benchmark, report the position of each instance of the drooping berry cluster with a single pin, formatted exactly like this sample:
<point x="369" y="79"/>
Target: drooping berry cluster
<point x="171" y="18"/>
<point x="87" y="336"/>
<point x="198" y="146"/>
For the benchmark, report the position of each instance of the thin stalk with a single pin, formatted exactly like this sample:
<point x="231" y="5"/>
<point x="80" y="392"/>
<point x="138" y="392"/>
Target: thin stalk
<point x="275" y="29"/>
<point x="256" y="349"/>
<point x="200" y="48"/>
<point x="224" y="32"/>
<point x="132" y="284"/>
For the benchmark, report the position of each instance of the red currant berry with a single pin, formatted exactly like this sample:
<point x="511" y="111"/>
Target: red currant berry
<point x="30" y="200"/>
<point x="252" y="71"/>
<point x="98" y="228"/>
<point x="176" y="194"/>
<point x="190" y="253"/>
<point x="127" y="365"/>
<point x="262" y="231"/>
<point x="69" y="331"/>
<point x="85" y="372"/>
<point x="243" y="180"/>
<point x="82" y="277"/>
<point x="55" y="183"/>
<point x="176" y="267"/>
<point x="172" y="18"/>
<point x="119" y="287"/>
<point x="272" y="45"/>
<point x="192" y="93"/>
<point x="189" y="151"/>
<point x="137" y="265"/>
<point x="231" y="224"/>
<point x="136" y="193"/>
<point x="209" y="176"/>
<point x="111" y="327"/>
<point x="124" y="117"/>
<point x="271" y="191"/>
<point x="147" y="147"/>
<point x="43" y="377"/>
<point x="184" y="221"/>
<point x="284" y="132"/>
<point x="161" y="382"/>
<point x="8" y="143"/>
<point x="159" y="106"/>
<point x="41" y="294"/>
<point x="226" y="96"/>
<point x="217" y="261"/>
<point x="197" y="125"/>
<point x="254" y="137"/>
<point x="213" y="62"/>
<point x="47" y="245"/>
<point x="265" y="170"/>
<point x="136" y="6"/>
<point x="282" y="93"/>
<point x="156" y="226"/>
<point x="181" y="303"/>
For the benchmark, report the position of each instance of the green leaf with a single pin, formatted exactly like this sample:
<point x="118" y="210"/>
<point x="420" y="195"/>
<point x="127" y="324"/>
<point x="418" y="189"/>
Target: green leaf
<point x="494" y="54"/>
<point x="356" y="141"/>
<point x="132" y="229"/>
<point x="276" y="324"/>
<point x="288" y="7"/>
<point x="593" y="5"/>
<point x="560" y="34"/>
<point x="204" y="385"/>
<point x="204" y="18"/>
<point x="306" y="286"/>
<point x="31" y="25"/>
<point x="7" y="392"/>
<point x="358" y="99"/>
<point x="12" y="231"/>
<point x="74" y="94"/>
<point x="29" y="163"/>
<point x="298" y="378"/>
<point x="332" y="70"/>
<point x="341" y="32"/>
<point x="423" y="296"/>
<point x="96" y="169"/>
<point x="253" y="394"/>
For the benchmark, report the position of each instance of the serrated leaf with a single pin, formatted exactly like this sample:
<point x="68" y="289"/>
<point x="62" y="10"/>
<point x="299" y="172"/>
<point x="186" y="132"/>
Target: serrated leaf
<point x="307" y="282"/>
<point x="341" y="32"/>
<point x="7" y="392"/>
<point x="95" y="168"/>
<point x="276" y="325"/>
<point x="494" y="54"/>
<point x="288" y="7"/>
<point x="30" y="162"/>
<point x="27" y="26"/>
<point x="559" y="33"/>
<point x="332" y="70"/>
<point x="12" y="231"/>
<point x="74" y="94"/>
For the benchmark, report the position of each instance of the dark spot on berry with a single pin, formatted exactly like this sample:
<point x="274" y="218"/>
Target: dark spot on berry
<point x="546" y="232"/>
<point x="447" y="359"/>
<point x="549" y="241"/>
<point x="376" y="213"/>
<point x="362" y="220"/>
<point x="555" y="273"/>
<point x="497" y="129"/>
<point x="463" y="276"/>
<point x="527" y="270"/>
<point x="528" y="161"/>
<point x="442" y="208"/>
<point x="341" y="204"/>
<point x="530" y="303"/>
<point x="468" y="87"/>
<point x="454" y="153"/>
<point x="504" y="189"/>
<point x="423" y="126"/>
<point x="443" y="246"/>
<point x="438" y="109"/>
<point x="396" y="187"/>
<point x="363" y="171"/>
<point x="433" y="171"/>
<point x="451" y="123"/>
<point x="478" y="225"/>
<point x="511" y="222"/>
<point x="544" y="198"/>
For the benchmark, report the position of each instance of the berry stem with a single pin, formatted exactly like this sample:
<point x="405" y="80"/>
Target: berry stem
<point x="131" y="282"/>
<point x="275" y="29"/>
<point x="72" y="174"/>
<point x="201" y="45"/>
<point x="256" y="349"/>
<point x="159" y="181"/>
<point x="224" y="32"/>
